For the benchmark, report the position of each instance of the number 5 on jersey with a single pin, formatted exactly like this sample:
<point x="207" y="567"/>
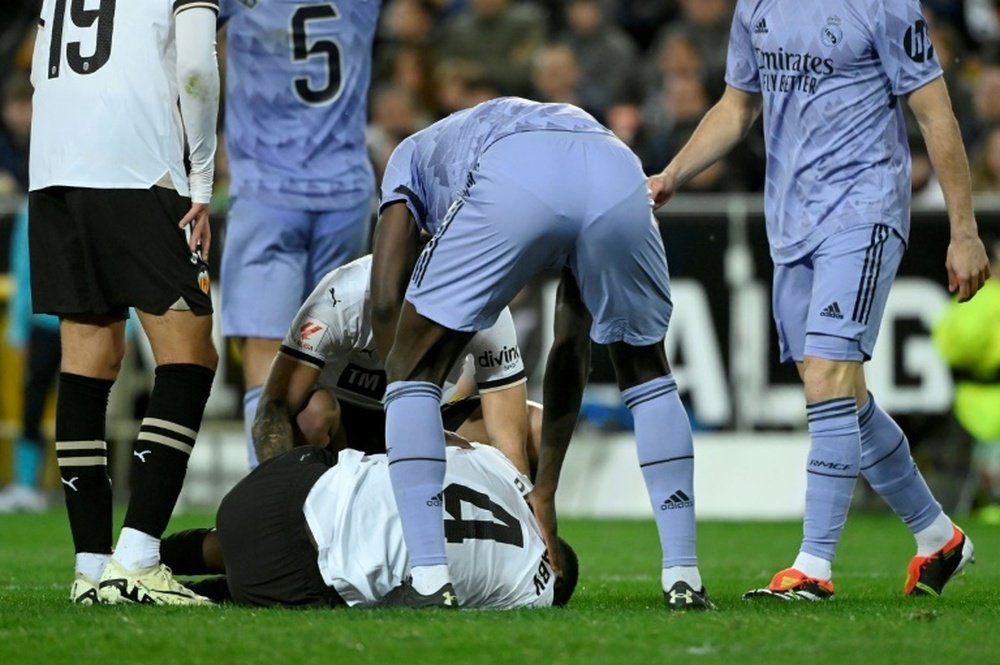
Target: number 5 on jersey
<point x="303" y="51"/>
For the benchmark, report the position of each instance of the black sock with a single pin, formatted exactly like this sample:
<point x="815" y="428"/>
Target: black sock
<point x="83" y="460"/>
<point x="166" y="438"/>
<point x="183" y="552"/>
<point x="215" y="589"/>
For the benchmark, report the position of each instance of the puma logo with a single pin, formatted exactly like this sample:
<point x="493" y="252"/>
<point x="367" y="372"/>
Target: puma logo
<point x="141" y="454"/>
<point x="71" y="483"/>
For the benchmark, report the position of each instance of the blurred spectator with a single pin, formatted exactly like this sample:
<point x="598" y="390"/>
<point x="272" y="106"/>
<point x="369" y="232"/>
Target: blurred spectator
<point x="968" y="337"/>
<point x="404" y="52"/>
<point x="986" y="162"/>
<point x="948" y="47"/>
<point x="394" y="116"/>
<point x="36" y="339"/>
<point x="460" y="85"/>
<point x="642" y="19"/>
<point x="14" y="133"/>
<point x="500" y="37"/>
<point x="986" y="101"/>
<point x="555" y="76"/>
<point x="606" y="55"/>
<point x="625" y="119"/>
<point x="705" y="23"/>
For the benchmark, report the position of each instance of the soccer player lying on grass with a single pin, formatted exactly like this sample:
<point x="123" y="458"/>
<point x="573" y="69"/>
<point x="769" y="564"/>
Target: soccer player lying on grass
<point x="327" y="382"/>
<point x="302" y="530"/>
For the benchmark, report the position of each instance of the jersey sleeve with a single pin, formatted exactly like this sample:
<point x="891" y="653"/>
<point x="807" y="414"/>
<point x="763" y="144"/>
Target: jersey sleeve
<point x="183" y="5"/>
<point x="400" y="182"/>
<point x="316" y="334"/>
<point x="741" y="61"/>
<point x="496" y="356"/>
<point x="902" y="39"/>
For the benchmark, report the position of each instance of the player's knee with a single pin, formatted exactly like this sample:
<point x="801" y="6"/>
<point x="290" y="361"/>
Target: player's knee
<point x="828" y="379"/>
<point x="635" y="365"/>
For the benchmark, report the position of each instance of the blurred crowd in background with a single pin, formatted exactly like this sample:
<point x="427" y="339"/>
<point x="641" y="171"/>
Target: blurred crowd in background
<point x="648" y="69"/>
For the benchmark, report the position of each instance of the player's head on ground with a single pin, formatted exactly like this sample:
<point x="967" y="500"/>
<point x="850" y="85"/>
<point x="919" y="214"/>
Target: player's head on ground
<point x="566" y="584"/>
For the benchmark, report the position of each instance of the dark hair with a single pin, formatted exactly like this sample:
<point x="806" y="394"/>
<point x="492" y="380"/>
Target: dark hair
<point x="566" y="584"/>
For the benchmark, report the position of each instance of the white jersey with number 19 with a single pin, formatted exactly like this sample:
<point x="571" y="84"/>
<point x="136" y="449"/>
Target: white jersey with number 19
<point x="106" y="93"/>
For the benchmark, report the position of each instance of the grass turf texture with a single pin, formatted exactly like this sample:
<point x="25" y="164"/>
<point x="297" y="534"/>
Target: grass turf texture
<point x="616" y="616"/>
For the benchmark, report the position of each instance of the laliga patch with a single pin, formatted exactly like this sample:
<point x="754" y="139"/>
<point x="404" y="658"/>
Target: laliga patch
<point x="310" y="333"/>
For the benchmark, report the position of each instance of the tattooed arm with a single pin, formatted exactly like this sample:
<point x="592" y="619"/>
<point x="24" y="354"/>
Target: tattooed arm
<point x="286" y="391"/>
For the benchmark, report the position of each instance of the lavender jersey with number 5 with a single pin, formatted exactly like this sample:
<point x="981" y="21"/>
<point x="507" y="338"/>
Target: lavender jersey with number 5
<point x="296" y="101"/>
<point x="431" y="168"/>
<point x="830" y="74"/>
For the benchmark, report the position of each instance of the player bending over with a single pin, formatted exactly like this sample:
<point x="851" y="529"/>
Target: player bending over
<point x="328" y="380"/>
<point x="509" y="189"/>
<point x="302" y="530"/>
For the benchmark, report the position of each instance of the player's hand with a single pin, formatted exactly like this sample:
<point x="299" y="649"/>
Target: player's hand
<point x="968" y="266"/>
<point x="543" y="503"/>
<point x="661" y="187"/>
<point x="201" y="230"/>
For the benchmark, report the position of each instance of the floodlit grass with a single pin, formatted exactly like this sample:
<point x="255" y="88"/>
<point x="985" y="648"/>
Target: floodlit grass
<point x="616" y="616"/>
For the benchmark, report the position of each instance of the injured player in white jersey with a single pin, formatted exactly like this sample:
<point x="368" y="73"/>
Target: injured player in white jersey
<point x="305" y="529"/>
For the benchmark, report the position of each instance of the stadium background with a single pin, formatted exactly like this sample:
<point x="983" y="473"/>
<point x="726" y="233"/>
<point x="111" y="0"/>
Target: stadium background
<point x="649" y="69"/>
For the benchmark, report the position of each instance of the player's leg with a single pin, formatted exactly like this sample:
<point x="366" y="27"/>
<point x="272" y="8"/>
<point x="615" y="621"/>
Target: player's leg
<point x="886" y="463"/>
<point x="66" y="281"/>
<point x="336" y="237"/>
<point x="421" y="357"/>
<point x="264" y="277"/>
<point x="93" y="348"/>
<point x="498" y="234"/>
<point x="145" y="262"/>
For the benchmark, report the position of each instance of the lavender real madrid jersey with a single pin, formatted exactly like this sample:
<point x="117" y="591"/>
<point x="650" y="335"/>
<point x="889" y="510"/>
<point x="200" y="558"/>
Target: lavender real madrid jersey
<point x="830" y="74"/>
<point x="430" y="169"/>
<point x="296" y="101"/>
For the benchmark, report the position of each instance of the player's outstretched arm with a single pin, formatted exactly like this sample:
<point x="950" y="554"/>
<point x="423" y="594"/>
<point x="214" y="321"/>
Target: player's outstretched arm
<point x="723" y="127"/>
<point x="394" y="251"/>
<point x="285" y="392"/>
<point x="198" y="84"/>
<point x="566" y="372"/>
<point x="967" y="263"/>
<point x="505" y="415"/>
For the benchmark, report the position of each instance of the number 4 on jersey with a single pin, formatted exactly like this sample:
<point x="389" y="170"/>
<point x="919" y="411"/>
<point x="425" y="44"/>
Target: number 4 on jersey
<point x="502" y="528"/>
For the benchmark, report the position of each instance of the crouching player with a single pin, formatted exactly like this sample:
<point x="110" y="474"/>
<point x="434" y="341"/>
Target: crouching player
<point x="327" y="381"/>
<point x="303" y="531"/>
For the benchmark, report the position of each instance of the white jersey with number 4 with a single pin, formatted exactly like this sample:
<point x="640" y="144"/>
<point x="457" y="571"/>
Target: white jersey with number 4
<point x="333" y="332"/>
<point x="105" y="103"/>
<point x="496" y="556"/>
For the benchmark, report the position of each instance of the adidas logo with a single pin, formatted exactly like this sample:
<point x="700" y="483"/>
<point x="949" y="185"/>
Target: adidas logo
<point x="761" y="27"/>
<point x="434" y="501"/>
<point x="677" y="500"/>
<point x="832" y="311"/>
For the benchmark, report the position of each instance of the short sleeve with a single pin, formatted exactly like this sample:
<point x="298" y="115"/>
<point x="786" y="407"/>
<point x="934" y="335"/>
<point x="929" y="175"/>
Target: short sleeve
<point x="902" y="40"/>
<point x="183" y="5"/>
<point x="314" y="335"/>
<point x="400" y="182"/>
<point x="741" y="61"/>
<point x="496" y="355"/>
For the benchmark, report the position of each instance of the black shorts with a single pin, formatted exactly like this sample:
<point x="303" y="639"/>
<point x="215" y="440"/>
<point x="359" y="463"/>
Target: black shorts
<point x="269" y="553"/>
<point x="365" y="428"/>
<point x="101" y="251"/>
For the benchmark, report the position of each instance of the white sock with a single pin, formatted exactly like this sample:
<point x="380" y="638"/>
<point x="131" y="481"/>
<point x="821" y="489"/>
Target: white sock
<point x="91" y="565"/>
<point x="672" y="575"/>
<point x="137" y="550"/>
<point x="428" y="579"/>
<point x="813" y="566"/>
<point x="935" y="536"/>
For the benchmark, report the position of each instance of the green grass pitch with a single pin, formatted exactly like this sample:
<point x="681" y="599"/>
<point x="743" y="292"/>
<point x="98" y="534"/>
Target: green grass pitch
<point x="616" y="616"/>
